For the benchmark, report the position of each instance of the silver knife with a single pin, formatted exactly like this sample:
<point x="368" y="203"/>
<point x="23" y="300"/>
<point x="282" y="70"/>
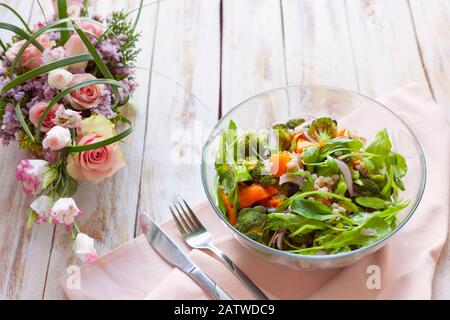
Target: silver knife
<point x="167" y="249"/>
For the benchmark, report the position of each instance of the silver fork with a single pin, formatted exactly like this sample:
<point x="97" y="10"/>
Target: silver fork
<point x="196" y="236"/>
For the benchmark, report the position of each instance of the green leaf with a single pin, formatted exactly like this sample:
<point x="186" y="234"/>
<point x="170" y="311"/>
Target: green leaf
<point x="341" y="187"/>
<point x="312" y="210"/>
<point x="66" y="91"/>
<point x="381" y="146"/>
<point x="372" y="202"/>
<point x="96" y="145"/>
<point x="46" y="68"/>
<point x="328" y="168"/>
<point x="48" y="28"/>
<point x="66" y="185"/>
<point x="310" y="155"/>
<point x="18" y="16"/>
<point x="62" y="14"/>
<point x="20" y="32"/>
<point x="32" y="216"/>
<point x="348" y="202"/>
<point x="49" y="176"/>
<point x="97" y="59"/>
<point x="294" y="223"/>
<point x="22" y="121"/>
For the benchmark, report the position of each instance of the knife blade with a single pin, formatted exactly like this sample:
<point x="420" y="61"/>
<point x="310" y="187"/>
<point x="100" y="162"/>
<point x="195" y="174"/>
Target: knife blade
<point x="170" y="252"/>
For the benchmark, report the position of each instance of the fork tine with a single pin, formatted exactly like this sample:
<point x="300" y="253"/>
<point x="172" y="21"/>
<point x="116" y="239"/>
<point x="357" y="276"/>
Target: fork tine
<point x="193" y="216"/>
<point x="188" y="216"/>
<point x="187" y="226"/>
<point x="177" y="221"/>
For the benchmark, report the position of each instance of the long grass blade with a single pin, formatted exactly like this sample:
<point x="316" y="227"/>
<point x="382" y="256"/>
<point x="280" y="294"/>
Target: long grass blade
<point x="23" y="122"/>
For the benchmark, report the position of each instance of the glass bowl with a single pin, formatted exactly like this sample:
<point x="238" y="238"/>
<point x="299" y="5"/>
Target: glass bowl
<point x="351" y="110"/>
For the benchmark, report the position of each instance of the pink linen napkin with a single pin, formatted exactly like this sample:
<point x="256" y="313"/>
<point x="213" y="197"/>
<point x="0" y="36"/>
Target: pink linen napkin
<point x="135" y="271"/>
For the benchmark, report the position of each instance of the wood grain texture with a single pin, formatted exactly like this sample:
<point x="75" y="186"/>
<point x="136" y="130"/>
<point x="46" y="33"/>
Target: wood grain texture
<point x="252" y="49"/>
<point x="384" y="45"/>
<point x="110" y="207"/>
<point x="432" y="22"/>
<point x="183" y="104"/>
<point x="318" y="48"/>
<point x="24" y="253"/>
<point x="196" y="55"/>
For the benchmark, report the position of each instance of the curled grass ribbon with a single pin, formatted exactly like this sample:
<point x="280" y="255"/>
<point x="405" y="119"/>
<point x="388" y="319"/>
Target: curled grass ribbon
<point x="63" y="93"/>
<point x="20" y="32"/>
<point x="46" y="68"/>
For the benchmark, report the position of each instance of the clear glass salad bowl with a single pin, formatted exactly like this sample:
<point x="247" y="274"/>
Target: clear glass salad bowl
<point x="351" y="110"/>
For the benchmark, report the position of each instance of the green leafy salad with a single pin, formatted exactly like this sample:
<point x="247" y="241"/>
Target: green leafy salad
<point x="309" y="187"/>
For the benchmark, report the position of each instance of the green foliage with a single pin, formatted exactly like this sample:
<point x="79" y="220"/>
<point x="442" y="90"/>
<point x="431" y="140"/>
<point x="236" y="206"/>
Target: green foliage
<point x="371" y="202"/>
<point x="323" y="129"/>
<point x="251" y="222"/>
<point x="119" y="24"/>
<point x="283" y="137"/>
<point x="294" y="123"/>
<point x="312" y="210"/>
<point x="369" y="188"/>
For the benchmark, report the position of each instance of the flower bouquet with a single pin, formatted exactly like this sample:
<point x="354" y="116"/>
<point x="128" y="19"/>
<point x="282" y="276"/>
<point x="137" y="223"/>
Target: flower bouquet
<point x="63" y="86"/>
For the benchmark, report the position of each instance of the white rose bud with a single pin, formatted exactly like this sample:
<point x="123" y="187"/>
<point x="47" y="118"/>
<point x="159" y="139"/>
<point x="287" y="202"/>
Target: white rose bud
<point x="42" y="206"/>
<point x="59" y="79"/>
<point x="57" y="138"/>
<point x="64" y="211"/>
<point x="84" y="248"/>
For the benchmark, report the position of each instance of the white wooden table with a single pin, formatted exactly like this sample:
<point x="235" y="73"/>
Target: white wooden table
<point x="200" y="58"/>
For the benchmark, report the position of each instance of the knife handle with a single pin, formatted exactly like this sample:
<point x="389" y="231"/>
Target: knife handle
<point x="209" y="285"/>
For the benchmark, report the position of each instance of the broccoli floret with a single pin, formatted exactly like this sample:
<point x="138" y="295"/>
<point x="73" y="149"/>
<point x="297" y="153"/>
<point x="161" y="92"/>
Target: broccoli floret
<point x="294" y="123"/>
<point x="268" y="180"/>
<point x="369" y="188"/>
<point x="251" y="145"/>
<point x="323" y="129"/>
<point x="257" y="175"/>
<point x="251" y="222"/>
<point x="282" y="134"/>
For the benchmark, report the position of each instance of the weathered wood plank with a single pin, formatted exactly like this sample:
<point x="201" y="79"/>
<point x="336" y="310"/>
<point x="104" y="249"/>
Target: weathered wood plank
<point x="318" y="48"/>
<point x="252" y="49"/>
<point x="24" y="254"/>
<point x="183" y="103"/>
<point x="110" y="207"/>
<point x="432" y="21"/>
<point x="384" y="45"/>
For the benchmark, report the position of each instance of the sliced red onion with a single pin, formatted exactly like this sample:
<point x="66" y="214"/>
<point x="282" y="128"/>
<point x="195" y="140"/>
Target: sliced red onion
<point x="280" y="236"/>
<point x="292" y="178"/>
<point x="347" y="175"/>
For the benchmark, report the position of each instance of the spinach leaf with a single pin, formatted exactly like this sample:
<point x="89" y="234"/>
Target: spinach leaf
<point x="357" y="236"/>
<point x="381" y="146"/>
<point x="372" y="202"/>
<point x="296" y="224"/>
<point x="328" y="168"/>
<point x="312" y="209"/>
<point x="310" y="155"/>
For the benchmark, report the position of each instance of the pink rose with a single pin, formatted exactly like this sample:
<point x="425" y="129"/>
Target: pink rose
<point x="31" y="57"/>
<point x="95" y="165"/>
<point x="86" y="97"/>
<point x="64" y="211"/>
<point x="74" y="47"/>
<point x="31" y="173"/>
<point x="94" y="28"/>
<point x="57" y="138"/>
<point x="73" y="7"/>
<point x="36" y="112"/>
<point x="51" y="55"/>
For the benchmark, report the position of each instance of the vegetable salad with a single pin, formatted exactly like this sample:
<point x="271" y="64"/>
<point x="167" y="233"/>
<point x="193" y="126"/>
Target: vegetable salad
<point x="309" y="187"/>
